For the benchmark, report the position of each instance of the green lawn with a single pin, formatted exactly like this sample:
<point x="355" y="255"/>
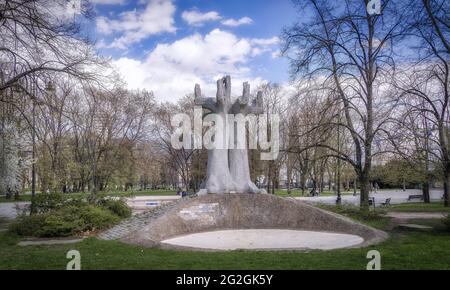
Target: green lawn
<point x="419" y="207"/>
<point x="403" y="250"/>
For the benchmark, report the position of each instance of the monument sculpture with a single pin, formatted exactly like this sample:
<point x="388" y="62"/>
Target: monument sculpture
<point x="228" y="169"/>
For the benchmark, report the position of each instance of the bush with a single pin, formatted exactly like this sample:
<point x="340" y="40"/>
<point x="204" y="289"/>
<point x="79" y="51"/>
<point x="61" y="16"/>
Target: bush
<point x="28" y="225"/>
<point x="59" y="215"/>
<point x="97" y="218"/>
<point x="59" y="225"/>
<point x="117" y="207"/>
<point x="66" y="221"/>
<point x="46" y="202"/>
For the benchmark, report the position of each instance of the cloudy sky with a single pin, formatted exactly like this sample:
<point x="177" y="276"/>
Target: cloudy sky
<point x="169" y="45"/>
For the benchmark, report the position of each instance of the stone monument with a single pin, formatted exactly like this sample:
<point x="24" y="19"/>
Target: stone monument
<point x="228" y="169"/>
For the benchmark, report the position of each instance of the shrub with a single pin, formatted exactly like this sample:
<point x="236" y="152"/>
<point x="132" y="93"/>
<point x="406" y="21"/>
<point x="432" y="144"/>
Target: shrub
<point x="46" y="202"/>
<point x="58" y="224"/>
<point x="28" y="225"/>
<point x="117" y="207"/>
<point x="97" y="218"/>
<point x="66" y="221"/>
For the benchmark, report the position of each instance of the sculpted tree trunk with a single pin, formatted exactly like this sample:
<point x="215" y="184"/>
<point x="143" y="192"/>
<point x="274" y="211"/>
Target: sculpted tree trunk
<point x="218" y="178"/>
<point x="228" y="169"/>
<point x="238" y="158"/>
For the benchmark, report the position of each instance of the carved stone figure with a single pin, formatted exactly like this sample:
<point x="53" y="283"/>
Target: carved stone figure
<point x="228" y="169"/>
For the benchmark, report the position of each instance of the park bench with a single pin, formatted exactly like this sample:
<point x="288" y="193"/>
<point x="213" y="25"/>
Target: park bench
<point x="387" y="202"/>
<point x="415" y="196"/>
<point x="192" y="194"/>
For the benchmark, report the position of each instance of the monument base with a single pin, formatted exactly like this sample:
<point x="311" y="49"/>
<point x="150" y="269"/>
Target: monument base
<point x="216" y="212"/>
<point x="203" y="191"/>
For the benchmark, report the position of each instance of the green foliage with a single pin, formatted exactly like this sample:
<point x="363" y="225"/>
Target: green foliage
<point x="66" y="221"/>
<point x="61" y="223"/>
<point x="59" y="215"/>
<point x="28" y="225"/>
<point x="97" y="218"/>
<point x="419" y="207"/>
<point x="396" y="172"/>
<point x="373" y="217"/>
<point x="117" y="207"/>
<point x="46" y="202"/>
<point x="408" y="250"/>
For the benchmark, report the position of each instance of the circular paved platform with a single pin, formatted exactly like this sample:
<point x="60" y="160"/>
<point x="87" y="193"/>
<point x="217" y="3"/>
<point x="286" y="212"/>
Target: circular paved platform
<point x="252" y="239"/>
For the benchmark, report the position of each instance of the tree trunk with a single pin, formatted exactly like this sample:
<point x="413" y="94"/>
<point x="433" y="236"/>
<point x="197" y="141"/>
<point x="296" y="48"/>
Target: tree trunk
<point x="426" y="192"/>
<point x="446" y="188"/>
<point x="365" y="188"/>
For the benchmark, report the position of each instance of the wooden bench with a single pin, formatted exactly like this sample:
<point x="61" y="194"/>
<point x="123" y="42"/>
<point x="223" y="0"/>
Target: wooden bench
<point x="387" y="202"/>
<point x="415" y="196"/>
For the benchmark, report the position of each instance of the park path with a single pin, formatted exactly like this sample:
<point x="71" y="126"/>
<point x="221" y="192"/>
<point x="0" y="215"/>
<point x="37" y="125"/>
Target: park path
<point x="416" y="215"/>
<point x="397" y="196"/>
<point x="8" y="210"/>
<point x="136" y="222"/>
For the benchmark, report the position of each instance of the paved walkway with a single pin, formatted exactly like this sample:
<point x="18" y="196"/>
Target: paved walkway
<point x="417" y="215"/>
<point x="45" y="242"/>
<point x="8" y="209"/>
<point x="134" y="223"/>
<point x="397" y="196"/>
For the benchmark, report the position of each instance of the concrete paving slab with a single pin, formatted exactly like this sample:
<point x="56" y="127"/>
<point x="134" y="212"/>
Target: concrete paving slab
<point x="8" y="210"/>
<point x="417" y="215"/>
<point x="252" y="239"/>
<point x="40" y="242"/>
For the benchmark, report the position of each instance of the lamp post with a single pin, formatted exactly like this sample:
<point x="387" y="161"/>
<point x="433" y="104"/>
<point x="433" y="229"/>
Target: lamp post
<point x="33" y="140"/>
<point x="338" y="181"/>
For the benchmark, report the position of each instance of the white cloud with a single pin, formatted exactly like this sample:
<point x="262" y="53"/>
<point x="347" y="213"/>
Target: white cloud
<point x="171" y="70"/>
<point x="276" y="54"/>
<point x="196" y="18"/>
<point x="233" y="22"/>
<point x="109" y="2"/>
<point x="266" y="41"/>
<point x="134" y="26"/>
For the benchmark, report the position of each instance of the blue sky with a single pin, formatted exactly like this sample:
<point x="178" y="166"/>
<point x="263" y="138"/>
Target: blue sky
<point x="169" y="45"/>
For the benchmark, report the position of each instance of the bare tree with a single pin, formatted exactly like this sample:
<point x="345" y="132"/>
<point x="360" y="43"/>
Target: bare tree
<point x="351" y="52"/>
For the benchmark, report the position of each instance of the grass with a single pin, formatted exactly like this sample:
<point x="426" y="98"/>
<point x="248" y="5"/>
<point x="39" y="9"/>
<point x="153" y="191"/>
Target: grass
<point x="374" y="218"/>
<point x="401" y="251"/>
<point x="298" y="193"/>
<point x="437" y="224"/>
<point x="419" y="207"/>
